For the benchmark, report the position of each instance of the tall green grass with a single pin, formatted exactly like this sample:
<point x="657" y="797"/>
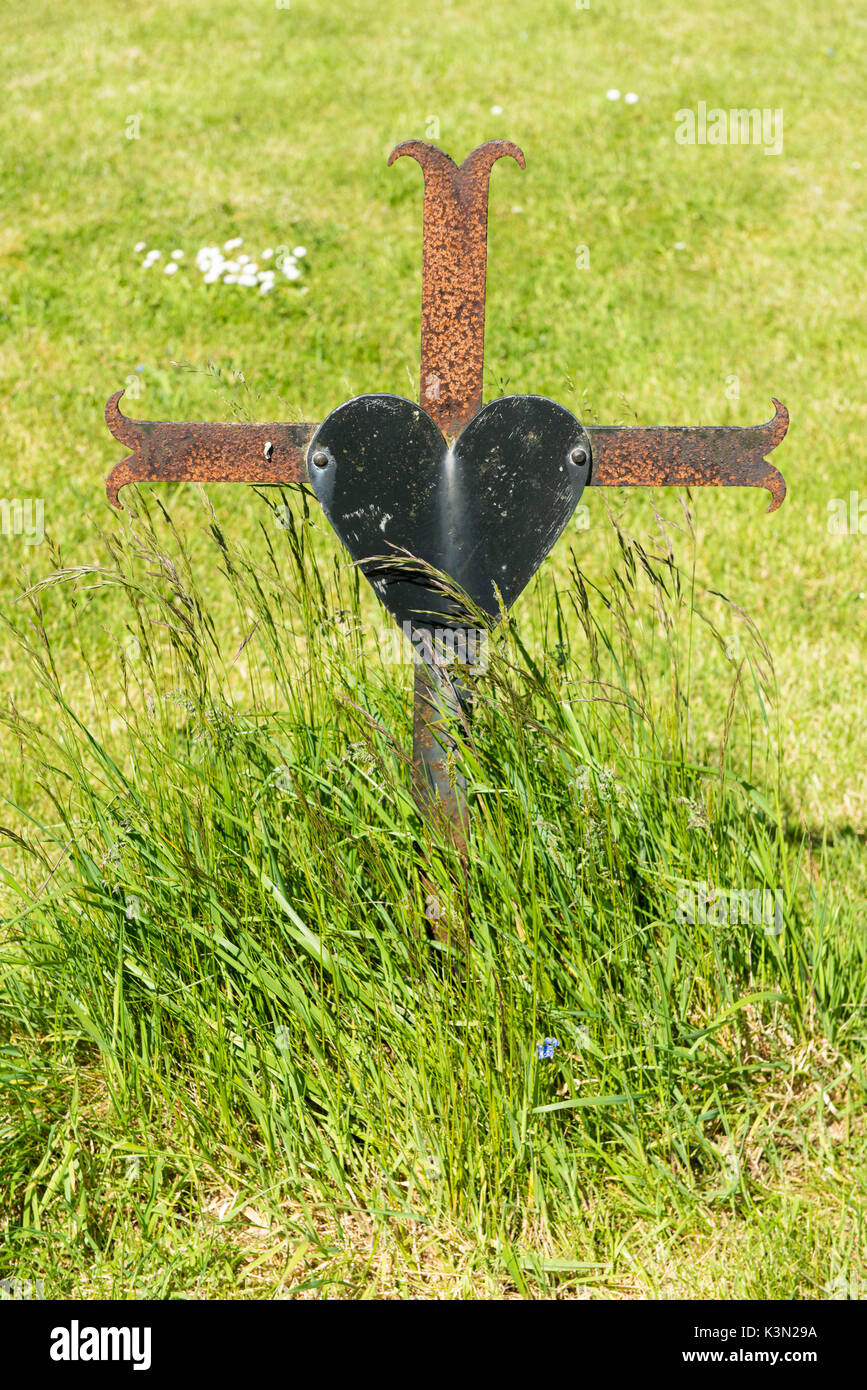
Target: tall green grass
<point x="228" y="947"/>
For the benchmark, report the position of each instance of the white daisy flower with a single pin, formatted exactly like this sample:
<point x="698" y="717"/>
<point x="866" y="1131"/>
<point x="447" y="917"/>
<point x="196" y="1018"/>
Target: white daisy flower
<point x="242" y="260"/>
<point x="247" y="280"/>
<point x="496" y="110"/>
<point x="232" y="243"/>
<point x="213" y="276"/>
<point x="266" y="287"/>
<point x="267" y="253"/>
<point x="299" y="251"/>
<point x="612" y="94"/>
<point x="292" y="272"/>
<point x="177" y="255"/>
<point x="230" y="279"/>
<point x="631" y="98"/>
<point x="139" y="246"/>
<point x="171" y="268"/>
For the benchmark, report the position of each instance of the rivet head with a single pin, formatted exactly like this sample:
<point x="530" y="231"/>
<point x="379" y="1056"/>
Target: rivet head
<point x="578" y="456"/>
<point x="320" y="458"/>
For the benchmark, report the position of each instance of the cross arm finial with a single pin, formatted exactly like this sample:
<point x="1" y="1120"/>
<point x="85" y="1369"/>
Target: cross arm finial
<point x="194" y="450"/>
<point x="690" y="456"/>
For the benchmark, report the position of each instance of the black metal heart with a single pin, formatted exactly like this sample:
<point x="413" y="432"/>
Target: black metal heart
<point x="486" y="511"/>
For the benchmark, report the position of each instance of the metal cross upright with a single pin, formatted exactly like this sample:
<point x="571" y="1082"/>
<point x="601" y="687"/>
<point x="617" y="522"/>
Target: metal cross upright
<point x="478" y="493"/>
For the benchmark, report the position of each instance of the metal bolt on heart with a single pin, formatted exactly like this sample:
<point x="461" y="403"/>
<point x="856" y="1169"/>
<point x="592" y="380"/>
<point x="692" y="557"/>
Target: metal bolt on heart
<point x="475" y="494"/>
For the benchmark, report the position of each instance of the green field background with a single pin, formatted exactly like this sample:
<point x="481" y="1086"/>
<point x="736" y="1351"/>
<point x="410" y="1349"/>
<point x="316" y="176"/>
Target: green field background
<point x="719" y="277"/>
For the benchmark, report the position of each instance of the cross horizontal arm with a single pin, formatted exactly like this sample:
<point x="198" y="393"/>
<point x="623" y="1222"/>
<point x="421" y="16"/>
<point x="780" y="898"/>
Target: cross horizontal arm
<point x="276" y="454"/>
<point x="684" y="456"/>
<point x="194" y="451"/>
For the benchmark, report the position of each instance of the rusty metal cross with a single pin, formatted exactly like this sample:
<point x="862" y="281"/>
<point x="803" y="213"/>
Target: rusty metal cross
<point x="459" y="486"/>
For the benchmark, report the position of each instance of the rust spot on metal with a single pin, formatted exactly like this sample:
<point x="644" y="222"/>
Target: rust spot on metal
<point x="454" y="257"/>
<point x="684" y="456"/>
<point x="196" y="451"/>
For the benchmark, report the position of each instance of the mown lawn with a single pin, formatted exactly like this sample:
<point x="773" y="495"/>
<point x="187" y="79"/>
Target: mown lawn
<point x="233" y="1064"/>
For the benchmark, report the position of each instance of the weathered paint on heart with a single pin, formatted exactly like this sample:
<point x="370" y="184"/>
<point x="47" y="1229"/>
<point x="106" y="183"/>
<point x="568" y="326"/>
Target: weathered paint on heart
<point x="485" y="511"/>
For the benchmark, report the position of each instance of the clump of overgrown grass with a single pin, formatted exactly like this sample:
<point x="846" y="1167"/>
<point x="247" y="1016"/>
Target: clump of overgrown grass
<point x="228" y="942"/>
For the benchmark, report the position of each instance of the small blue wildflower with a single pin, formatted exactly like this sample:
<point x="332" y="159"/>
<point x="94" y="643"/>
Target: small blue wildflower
<point x="545" y="1049"/>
